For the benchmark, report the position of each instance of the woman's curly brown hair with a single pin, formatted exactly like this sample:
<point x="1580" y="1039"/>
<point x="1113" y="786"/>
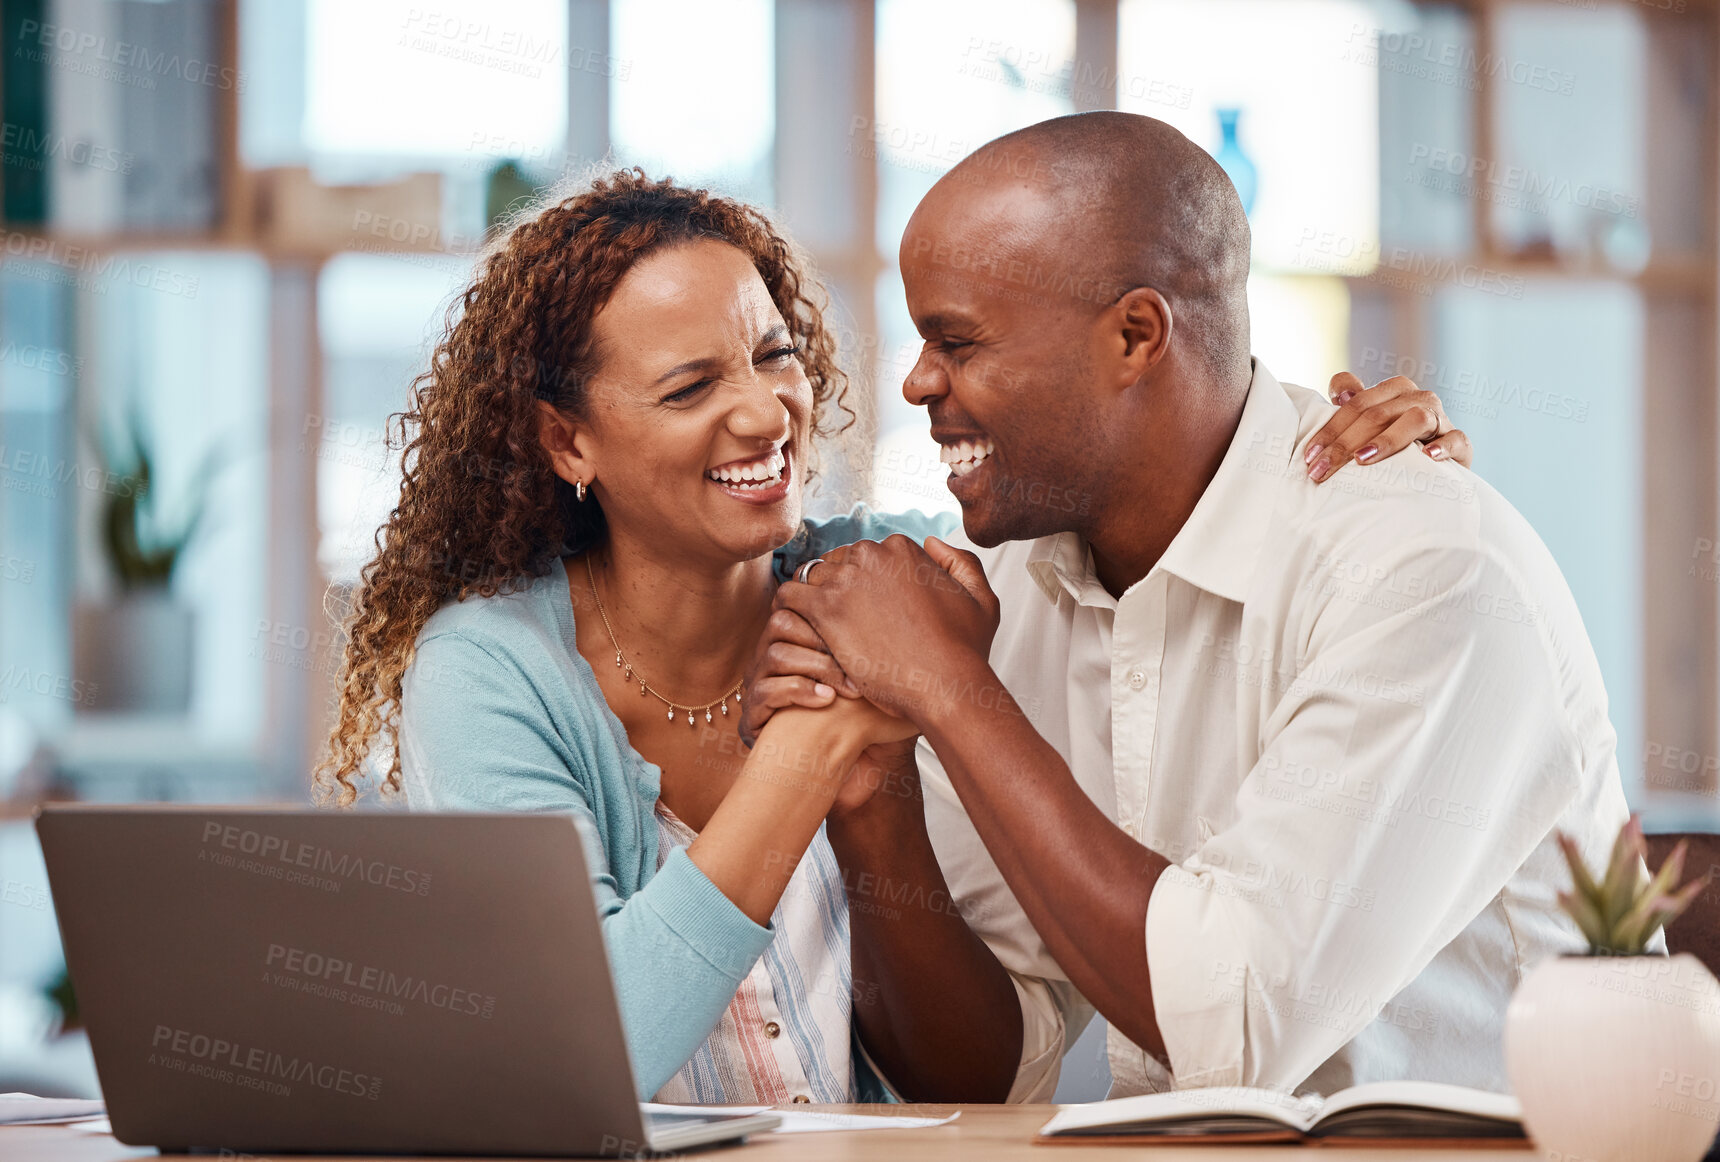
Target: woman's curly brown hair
<point x="480" y="510"/>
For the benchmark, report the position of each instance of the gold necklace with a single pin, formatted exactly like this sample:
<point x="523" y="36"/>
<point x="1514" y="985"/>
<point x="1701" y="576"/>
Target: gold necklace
<point x="630" y="675"/>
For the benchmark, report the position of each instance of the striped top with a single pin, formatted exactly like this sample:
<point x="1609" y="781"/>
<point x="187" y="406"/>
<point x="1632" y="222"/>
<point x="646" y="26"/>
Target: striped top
<point x="786" y="1034"/>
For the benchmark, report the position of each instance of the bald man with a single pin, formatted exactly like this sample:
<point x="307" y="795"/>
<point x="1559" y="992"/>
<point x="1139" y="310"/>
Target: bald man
<point x="1268" y="773"/>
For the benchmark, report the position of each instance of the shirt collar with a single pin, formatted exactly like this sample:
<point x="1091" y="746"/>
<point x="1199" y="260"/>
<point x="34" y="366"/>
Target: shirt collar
<point x="1062" y="563"/>
<point x="1218" y="546"/>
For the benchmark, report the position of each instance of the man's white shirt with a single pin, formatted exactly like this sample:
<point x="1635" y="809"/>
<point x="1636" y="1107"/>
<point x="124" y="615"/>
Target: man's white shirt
<point x="1351" y="716"/>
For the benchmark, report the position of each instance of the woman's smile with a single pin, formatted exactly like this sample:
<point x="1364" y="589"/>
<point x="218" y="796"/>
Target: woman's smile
<point x="761" y="480"/>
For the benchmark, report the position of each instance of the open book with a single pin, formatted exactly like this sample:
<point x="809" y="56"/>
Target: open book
<point x="1410" y="1111"/>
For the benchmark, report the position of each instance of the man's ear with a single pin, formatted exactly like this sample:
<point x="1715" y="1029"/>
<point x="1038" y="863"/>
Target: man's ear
<point x="564" y="441"/>
<point x="1141" y="336"/>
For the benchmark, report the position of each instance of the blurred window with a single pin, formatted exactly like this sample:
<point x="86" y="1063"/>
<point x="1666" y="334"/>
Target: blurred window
<point x="1568" y="177"/>
<point x="466" y="78"/>
<point x="378" y="319"/>
<point x="693" y="91"/>
<point x="39" y="478"/>
<point x="1427" y="118"/>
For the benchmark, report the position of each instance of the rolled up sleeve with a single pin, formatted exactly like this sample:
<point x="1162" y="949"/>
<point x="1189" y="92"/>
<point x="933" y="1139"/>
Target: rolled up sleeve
<point x="1053" y="1014"/>
<point x="1189" y="949"/>
<point x="1416" y="758"/>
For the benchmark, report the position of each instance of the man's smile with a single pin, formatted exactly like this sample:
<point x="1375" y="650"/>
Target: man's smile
<point x="963" y="456"/>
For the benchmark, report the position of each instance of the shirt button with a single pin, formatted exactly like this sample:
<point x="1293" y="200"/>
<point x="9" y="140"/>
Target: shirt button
<point x="1137" y="679"/>
<point x="772" y="1029"/>
<point x="800" y="1099"/>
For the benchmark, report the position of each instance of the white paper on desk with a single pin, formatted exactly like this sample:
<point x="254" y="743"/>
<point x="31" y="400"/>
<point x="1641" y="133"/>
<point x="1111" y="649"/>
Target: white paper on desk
<point x="99" y="1126"/>
<point x="25" y="1109"/>
<point x="810" y="1121"/>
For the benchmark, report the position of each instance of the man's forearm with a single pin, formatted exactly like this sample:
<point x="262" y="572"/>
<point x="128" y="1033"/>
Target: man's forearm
<point x="934" y="1008"/>
<point x="1084" y="884"/>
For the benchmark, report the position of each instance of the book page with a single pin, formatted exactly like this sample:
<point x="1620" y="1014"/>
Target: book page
<point x="1189" y="1105"/>
<point x="1431" y="1095"/>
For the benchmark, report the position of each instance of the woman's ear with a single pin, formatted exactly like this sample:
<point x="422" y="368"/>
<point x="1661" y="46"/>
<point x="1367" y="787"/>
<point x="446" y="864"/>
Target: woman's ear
<point x="563" y="441"/>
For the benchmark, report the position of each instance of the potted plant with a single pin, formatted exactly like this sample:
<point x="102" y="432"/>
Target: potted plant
<point x="1615" y="1054"/>
<point x="134" y="653"/>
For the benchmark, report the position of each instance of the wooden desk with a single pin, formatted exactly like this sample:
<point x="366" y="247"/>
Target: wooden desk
<point x="982" y="1134"/>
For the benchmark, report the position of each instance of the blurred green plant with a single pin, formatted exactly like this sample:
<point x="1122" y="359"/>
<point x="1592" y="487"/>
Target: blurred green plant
<point x="141" y="554"/>
<point x="65" y="1001"/>
<point x="507" y="191"/>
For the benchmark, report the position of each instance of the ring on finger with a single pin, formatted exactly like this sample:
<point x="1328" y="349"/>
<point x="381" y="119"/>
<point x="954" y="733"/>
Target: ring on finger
<point x="801" y="574"/>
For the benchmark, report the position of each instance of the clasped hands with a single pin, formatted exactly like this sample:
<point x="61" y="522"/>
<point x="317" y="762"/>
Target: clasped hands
<point x="887" y="631"/>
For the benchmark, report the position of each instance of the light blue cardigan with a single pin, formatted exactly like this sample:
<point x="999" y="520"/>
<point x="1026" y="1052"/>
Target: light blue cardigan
<point x="499" y="712"/>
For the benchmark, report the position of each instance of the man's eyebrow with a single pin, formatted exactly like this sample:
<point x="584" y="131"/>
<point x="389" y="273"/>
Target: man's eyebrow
<point x="776" y="334"/>
<point x="942" y="323"/>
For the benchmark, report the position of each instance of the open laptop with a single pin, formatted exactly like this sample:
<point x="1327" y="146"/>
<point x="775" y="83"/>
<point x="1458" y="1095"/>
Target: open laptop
<point x="268" y="981"/>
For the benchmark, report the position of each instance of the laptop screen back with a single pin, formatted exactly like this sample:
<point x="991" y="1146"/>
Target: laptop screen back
<point x="257" y="980"/>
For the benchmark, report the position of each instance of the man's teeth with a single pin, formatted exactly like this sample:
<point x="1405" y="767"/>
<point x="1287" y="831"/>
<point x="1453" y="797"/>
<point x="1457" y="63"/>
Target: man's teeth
<point x="758" y="474"/>
<point x="965" y="455"/>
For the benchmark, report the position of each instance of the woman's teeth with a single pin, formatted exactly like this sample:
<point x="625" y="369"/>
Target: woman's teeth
<point x="965" y="456"/>
<point x="754" y="476"/>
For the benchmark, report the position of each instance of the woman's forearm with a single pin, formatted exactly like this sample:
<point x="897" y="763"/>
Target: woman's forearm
<point x="933" y="1006"/>
<point x="679" y="951"/>
<point x="759" y="832"/>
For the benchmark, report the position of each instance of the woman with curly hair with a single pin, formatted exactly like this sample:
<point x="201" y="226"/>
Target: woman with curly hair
<point x="603" y="475"/>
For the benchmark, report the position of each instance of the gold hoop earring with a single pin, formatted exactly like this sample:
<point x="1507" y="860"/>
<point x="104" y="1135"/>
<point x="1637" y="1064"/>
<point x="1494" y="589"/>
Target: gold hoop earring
<point x="579" y="490"/>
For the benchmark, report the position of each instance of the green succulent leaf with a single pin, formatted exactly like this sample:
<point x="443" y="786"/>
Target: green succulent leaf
<point x="1588" y="918"/>
<point x="1580" y="877"/>
<point x="1620" y="915"/>
<point x="1630" y="936"/>
<point x="1624" y="877"/>
<point x="1670" y="872"/>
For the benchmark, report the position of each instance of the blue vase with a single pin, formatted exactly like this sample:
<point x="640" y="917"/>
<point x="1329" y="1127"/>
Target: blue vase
<point x="1235" y="163"/>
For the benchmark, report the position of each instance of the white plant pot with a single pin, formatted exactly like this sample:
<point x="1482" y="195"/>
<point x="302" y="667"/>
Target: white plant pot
<point x="134" y="655"/>
<point x="1617" y="1059"/>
